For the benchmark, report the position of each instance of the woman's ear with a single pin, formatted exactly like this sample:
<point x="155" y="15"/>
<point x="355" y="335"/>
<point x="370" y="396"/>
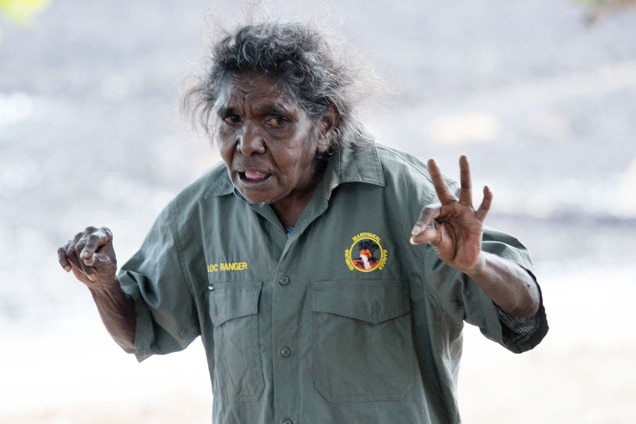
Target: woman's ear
<point x="327" y="124"/>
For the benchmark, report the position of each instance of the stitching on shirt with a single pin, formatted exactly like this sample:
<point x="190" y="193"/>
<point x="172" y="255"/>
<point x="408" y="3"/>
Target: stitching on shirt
<point x="179" y="250"/>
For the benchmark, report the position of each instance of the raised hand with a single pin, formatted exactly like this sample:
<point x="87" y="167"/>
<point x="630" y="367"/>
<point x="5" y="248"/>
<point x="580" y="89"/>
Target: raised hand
<point x="453" y="227"/>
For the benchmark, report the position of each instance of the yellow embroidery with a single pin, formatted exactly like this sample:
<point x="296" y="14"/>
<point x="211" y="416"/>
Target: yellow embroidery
<point x="227" y="266"/>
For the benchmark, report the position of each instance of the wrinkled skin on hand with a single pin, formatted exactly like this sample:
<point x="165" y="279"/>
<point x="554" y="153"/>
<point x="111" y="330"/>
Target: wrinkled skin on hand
<point x="91" y="257"/>
<point x="452" y="226"/>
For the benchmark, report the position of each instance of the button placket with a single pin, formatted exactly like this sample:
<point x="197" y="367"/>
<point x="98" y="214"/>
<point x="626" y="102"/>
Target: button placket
<point x="286" y="301"/>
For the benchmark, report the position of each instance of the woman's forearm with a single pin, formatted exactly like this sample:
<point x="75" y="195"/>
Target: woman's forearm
<point x="509" y="286"/>
<point x="117" y="311"/>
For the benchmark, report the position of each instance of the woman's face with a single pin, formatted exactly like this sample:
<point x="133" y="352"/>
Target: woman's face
<point x="267" y="140"/>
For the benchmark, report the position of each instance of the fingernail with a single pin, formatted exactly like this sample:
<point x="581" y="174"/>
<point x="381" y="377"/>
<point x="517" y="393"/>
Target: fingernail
<point x="67" y="268"/>
<point x="416" y="230"/>
<point x="413" y="242"/>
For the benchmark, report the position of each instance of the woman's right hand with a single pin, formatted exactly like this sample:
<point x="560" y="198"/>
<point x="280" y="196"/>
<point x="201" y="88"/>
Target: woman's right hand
<point x="91" y="257"/>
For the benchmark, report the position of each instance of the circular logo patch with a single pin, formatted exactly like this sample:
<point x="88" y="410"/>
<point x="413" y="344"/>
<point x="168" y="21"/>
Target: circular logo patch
<point x="366" y="253"/>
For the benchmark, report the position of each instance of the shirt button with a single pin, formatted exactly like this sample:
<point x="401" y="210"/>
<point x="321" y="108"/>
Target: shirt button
<point x="287" y="421"/>
<point x="284" y="281"/>
<point x="285" y="352"/>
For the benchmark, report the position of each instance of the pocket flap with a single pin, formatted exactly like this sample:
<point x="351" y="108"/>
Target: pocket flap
<point x="370" y="301"/>
<point x="234" y="300"/>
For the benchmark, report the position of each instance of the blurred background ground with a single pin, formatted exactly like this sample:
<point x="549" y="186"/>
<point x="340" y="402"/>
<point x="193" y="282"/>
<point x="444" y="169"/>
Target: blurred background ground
<point x="542" y="103"/>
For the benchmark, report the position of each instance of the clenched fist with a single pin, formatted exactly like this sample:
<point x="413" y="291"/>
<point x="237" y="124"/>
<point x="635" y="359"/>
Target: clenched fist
<point x="91" y="257"/>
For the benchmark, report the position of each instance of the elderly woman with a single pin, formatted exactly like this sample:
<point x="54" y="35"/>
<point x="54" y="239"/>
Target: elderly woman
<point x="328" y="277"/>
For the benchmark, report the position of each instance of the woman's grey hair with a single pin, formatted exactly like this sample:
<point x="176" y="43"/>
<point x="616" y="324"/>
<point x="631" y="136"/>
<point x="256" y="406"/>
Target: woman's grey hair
<point x="300" y="58"/>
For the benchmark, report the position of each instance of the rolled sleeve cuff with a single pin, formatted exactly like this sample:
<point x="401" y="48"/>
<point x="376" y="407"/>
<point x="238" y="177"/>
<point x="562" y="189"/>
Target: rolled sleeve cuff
<point x="520" y="334"/>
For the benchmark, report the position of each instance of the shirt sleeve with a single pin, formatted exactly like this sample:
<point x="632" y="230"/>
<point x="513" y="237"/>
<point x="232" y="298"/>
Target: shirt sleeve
<point x="166" y="317"/>
<point x="518" y="334"/>
<point x="523" y="333"/>
<point x="464" y="300"/>
<point x="517" y="329"/>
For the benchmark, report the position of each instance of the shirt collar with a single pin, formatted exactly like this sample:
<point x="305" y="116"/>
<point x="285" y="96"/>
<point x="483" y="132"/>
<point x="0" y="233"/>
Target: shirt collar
<point x="356" y="164"/>
<point x="220" y="183"/>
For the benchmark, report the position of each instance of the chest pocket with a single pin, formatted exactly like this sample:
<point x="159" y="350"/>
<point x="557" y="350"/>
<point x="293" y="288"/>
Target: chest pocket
<point x="238" y="371"/>
<point x="364" y="349"/>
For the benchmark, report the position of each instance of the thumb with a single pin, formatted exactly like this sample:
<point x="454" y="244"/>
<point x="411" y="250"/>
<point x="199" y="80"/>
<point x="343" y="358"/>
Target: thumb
<point x="428" y="234"/>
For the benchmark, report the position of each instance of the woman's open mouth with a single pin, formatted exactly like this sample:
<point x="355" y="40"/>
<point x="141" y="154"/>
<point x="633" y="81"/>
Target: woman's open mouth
<point x="253" y="177"/>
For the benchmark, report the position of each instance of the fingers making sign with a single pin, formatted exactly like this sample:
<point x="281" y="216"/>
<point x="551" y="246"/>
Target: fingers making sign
<point x="453" y="227"/>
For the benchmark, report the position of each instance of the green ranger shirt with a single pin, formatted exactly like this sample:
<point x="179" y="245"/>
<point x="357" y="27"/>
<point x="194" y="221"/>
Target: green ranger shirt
<point x="341" y="320"/>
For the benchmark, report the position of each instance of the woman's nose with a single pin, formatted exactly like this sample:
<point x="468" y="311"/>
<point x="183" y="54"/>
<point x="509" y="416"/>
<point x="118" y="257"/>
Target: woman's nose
<point x="251" y="141"/>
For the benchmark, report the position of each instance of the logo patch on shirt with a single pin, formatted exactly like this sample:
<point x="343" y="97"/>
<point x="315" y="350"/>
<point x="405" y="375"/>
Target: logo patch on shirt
<point x="366" y="253"/>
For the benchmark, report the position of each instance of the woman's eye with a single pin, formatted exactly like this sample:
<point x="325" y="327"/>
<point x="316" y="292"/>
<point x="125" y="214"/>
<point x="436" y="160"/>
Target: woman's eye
<point x="231" y="119"/>
<point x="275" y="121"/>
